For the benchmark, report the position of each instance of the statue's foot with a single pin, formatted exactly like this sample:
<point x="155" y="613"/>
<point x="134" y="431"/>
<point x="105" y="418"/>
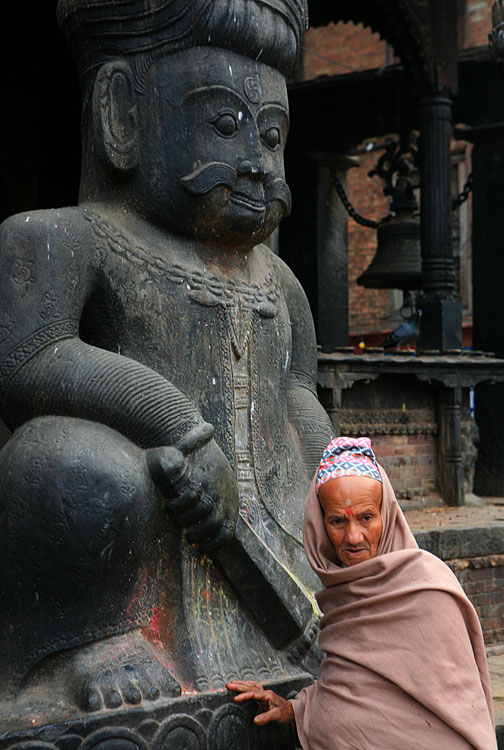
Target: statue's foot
<point x="119" y="670"/>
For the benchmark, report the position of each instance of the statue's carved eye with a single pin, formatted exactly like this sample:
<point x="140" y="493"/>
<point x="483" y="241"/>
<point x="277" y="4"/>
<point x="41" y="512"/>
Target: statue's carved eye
<point x="225" y="124"/>
<point x="272" y="138"/>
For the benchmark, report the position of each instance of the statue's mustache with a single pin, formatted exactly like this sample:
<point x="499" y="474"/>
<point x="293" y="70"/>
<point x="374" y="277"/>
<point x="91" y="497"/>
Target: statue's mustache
<point x="207" y="177"/>
<point x="279" y="190"/>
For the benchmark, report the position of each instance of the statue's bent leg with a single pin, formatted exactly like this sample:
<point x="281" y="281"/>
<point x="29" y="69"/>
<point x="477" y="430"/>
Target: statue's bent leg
<point x="82" y="535"/>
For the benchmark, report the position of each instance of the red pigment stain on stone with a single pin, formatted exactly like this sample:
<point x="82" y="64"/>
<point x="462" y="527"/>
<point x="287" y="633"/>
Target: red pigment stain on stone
<point x="138" y="594"/>
<point x="154" y="630"/>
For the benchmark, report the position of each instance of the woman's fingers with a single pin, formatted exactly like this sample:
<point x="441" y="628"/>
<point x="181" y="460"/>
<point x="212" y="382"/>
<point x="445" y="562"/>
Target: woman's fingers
<point x="242" y="685"/>
<point x="248" y="696"/>
<point x="283" y="714"/>
<point x="247" y="690"/>
<point x="275" y="707"/>
<point x="267" y="716"/>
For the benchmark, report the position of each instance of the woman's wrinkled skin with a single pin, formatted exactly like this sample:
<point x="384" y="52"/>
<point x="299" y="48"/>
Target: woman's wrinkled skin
<point x="275" y="708"/>
<point x="352" y="519"/>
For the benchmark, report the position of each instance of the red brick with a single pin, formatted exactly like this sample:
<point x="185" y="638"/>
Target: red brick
<point x="480" y="600"/>
<point x="491" y="623"/>
<point x="493" y="636"/>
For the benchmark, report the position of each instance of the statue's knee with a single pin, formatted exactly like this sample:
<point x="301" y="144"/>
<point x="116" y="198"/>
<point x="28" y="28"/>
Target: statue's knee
<point x="64" y="476"/>
<point x="77" y="509"/>
<point x="80" y="526"/>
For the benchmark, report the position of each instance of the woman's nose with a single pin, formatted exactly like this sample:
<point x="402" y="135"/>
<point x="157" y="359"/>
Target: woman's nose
<point x="353" y="532"/>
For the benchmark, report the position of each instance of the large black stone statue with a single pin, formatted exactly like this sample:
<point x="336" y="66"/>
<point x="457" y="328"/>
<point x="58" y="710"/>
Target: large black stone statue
<point x="157" y="369"/>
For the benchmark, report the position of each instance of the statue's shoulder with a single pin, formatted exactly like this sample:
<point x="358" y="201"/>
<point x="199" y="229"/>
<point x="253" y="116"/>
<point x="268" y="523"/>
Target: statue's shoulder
<point x="289" y="282"/>
<point x="274" y="261"/>
<point x="54" y="228"/>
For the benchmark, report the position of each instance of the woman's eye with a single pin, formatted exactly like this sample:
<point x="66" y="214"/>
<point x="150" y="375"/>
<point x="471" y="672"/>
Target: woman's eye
<point x="226" y="124"/>
<point x="272" y="138"/>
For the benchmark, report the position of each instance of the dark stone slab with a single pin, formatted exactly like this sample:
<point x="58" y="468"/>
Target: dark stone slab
<point x="470" y="541"/>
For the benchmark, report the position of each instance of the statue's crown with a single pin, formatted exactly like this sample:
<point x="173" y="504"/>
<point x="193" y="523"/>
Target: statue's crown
<point x="98" y="31"/>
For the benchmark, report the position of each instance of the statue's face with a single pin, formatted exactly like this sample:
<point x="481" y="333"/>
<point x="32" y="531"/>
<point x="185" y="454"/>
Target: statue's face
<point x="214" y="126"/>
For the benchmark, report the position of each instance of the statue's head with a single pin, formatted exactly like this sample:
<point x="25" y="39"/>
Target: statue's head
<point x="185" y="107"/>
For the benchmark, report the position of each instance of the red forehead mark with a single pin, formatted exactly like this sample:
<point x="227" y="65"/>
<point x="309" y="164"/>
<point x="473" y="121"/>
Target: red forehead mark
<point x="348" y="511"/>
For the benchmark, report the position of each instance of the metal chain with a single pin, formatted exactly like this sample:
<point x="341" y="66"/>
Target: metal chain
<point x="464" y="193"/>
<point x="356" y="216"/>
<point x="352" y="212"/>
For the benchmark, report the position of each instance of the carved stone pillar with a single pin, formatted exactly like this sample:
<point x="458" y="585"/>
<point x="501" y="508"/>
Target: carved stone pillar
<point x="332" y="259"/>
<point x="451" y="466"/>
<point x="322" y="267"/>
<point x="442" y="312"/>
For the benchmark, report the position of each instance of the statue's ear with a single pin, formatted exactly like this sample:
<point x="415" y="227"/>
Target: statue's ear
<point x="115" y="115"/>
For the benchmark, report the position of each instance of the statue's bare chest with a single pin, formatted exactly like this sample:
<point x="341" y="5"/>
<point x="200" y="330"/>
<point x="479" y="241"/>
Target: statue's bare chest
<point x="157" y="303"/>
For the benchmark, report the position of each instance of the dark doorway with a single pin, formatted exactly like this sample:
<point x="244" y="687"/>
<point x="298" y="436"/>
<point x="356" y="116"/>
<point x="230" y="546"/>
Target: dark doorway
<point x="40" y="147"/>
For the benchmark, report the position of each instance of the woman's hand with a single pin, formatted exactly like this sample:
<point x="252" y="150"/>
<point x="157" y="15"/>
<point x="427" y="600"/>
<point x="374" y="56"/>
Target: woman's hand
<point x="275" y="708"/>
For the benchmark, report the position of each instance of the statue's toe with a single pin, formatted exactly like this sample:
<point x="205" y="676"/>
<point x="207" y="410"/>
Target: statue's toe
<point x="90" y="699"/>
<point x="112" y="698"/>
<point x="132" y="695"/>
<point x="152" y="693"/>
<point x="121" y="670"/>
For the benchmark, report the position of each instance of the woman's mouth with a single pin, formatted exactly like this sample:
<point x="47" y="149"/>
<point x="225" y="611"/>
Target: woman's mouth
<point x="355" y="552"/>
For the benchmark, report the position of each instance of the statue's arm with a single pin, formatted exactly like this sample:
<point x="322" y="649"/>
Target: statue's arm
<point x="45" y="367"/>
<point x="306" y="414"/>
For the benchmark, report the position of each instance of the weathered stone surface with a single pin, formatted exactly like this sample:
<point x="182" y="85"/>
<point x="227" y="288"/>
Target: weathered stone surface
<point x="470" y="541"/>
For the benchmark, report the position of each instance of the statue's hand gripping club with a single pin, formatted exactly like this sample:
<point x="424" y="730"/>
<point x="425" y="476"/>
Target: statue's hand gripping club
<point x="201" y="495"/>
<point x="199" y="487"/>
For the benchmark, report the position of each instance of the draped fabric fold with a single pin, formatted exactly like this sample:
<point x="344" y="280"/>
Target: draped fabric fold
<point x="405" y="662"/>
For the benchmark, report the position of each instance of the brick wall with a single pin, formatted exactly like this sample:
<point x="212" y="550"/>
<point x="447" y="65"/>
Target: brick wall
<point x="341" y="48"/>
<point x="482" y="579"/>
<point x="410" y="462"/>
<point x="400" y="415"/>
<point x="479" y="22"/>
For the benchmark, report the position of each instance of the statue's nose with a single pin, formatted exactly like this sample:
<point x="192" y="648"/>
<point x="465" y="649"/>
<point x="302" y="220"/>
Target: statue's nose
<point x="255" y="172"/>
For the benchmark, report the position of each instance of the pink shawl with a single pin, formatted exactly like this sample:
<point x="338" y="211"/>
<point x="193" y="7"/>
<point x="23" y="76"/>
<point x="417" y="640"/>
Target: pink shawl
<point x="405" y="664"/>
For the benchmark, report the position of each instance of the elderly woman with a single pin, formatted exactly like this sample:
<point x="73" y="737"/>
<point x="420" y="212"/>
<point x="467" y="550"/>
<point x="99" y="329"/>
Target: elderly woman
<point x="405" y="663"/>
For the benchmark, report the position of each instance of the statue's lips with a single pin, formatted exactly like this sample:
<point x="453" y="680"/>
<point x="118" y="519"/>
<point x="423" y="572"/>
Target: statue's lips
<point x="245" y="200"/>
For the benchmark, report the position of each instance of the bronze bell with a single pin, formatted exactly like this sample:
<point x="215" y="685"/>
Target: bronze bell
<point x="398" y="260"/>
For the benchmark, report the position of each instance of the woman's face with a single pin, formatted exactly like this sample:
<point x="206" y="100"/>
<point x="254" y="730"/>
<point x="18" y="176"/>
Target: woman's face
<point x="353" y="523"/>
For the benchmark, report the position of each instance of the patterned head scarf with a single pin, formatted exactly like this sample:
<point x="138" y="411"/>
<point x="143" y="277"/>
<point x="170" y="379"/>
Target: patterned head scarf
<point x="346" y="456"/>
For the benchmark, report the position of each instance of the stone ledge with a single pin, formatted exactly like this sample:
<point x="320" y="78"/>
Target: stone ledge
<point x="476" y="563"/>
<point x="464" y="542"/>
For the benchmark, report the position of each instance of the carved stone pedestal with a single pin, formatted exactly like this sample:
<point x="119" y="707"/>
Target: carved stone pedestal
<point x="203" y="721"/>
